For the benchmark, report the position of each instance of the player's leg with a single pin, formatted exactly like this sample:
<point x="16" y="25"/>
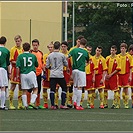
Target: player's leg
<point x="11" y="96"/>
<point x="63" y="85"/>
<point x="126" y="103"/>
<point x="20" y="104"/>
<point x="3" y="84"/>
<point x="39" y="91"/>
<point x="56" y="96"/>
<point x="46" y="85"/>
<point x="70" y="96"/>
<point x="53" y="82"/>
<point x="82" y="97"/>
<point x="81" y="77"/>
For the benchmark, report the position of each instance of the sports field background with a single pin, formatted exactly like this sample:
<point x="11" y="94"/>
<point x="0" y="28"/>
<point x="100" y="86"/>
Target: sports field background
<point x="68" y="120"/>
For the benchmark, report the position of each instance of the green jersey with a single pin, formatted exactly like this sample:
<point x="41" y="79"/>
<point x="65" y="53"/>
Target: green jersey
<point x="4" y="57"/>
<point x="26" y="62"/>
<point x="79" y="58"/>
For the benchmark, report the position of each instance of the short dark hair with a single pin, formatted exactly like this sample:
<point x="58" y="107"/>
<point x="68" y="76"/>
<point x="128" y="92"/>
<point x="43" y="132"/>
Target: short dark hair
<point x="3" y="40"/>
<point x="26" y="46"/>
<point x="114" y="47"/>
<point x="80" y="37"/>
<point x="65" y="43"/>
<point x="130" y="47"/>
<point x="123" y="45"/>
<point x="100" y="47"/>
<point x="35" y="40"/>
<point x="83" y="41"/>
<point x="57" y="45"/>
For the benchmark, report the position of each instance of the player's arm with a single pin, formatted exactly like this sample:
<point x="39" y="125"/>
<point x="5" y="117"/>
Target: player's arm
<point x="18" y="65"/>
<point x="48" y="64"/>
<point x="36" y="62"/>
<point x="12" y="57"/>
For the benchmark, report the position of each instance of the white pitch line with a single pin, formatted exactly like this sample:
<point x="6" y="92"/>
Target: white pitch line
<point x="32" y="120"/>
<point x="82" y="112"/>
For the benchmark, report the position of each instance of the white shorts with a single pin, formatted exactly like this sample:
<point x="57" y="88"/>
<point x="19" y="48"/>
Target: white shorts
<point x="3" y="77"/>
<point x="28" y="81"/>
<point x="79" y="78"/>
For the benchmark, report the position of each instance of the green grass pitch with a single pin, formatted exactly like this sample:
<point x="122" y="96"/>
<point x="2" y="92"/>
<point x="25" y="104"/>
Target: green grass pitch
<point x="68" y="120"/>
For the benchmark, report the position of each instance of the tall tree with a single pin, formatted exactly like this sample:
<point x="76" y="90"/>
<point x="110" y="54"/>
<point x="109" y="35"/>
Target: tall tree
<point x="102" y="23"/>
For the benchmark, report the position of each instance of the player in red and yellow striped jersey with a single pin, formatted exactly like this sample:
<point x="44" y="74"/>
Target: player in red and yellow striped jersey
<point x="46" y="83"/>
<point x="64" y="47"/>
<point x="14" y="52"/>
<point x="89" y="83"/>
<point x="125" y="75"/>
<point x="130" y="51"/>
<point x="39" y="69"/>
<point x="100" y="69"/>
<point x="111" y="79"/>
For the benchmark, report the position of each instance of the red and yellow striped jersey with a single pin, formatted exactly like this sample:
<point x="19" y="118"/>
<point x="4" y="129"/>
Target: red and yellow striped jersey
<point x="89" y="69"/>
<point x="126" y="63"/>
<point x="47" y="70"/>
<point x="99" y="64"/>
<point x="14" y="52"/>
<point x="113" y="63"/>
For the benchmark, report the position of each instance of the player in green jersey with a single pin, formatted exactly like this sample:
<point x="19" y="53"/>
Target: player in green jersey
<point x="79" y="57"/>
<point x="26" y="63"/>
<point x="4" y="70"/>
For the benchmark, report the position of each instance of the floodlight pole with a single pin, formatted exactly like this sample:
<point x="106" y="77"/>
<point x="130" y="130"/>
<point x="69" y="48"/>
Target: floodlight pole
<point x="65" y="20"/>
<point x="73" y="23"/>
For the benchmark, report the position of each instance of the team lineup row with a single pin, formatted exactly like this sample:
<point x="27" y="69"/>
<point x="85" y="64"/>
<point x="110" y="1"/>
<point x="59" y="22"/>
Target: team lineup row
<point x="74" y="71"/>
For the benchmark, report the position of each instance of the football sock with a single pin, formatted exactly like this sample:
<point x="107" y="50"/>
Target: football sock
<point x="123" y="97"/>
<point x="89" y="99"/>
<point x="52" y="97"/>
<point x="20" y="97"/>
<point x="38" y="100"/>
<point x="56" y="98"/>
<point x="126" y="99"/>
<point x="93" y="98"/>
<point x="82" y="98"/>
<point x="11" y="95"/>
<point x="24" y="99"/>
<point x="33" y="98"/>
<point x="63" y="98"/>
<point x="105" y="97"/>
<point x="101" y="97"/>
<point x="3" y="98"/>
<point x="67" y="97"/>
<point x="45" y="97"/>
<point x="28" y="97"/>
<point x="116" y="98"/>
<point x="70" y="98"/>
<point x="79" y="95"/>
<point x="75" y="90"/>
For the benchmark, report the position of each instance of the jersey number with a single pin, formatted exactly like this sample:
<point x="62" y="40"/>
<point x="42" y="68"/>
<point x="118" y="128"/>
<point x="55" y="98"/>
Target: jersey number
<point x="0" y="53"/>
<point x="29" y="61"/>
<point x="80" y="54"/>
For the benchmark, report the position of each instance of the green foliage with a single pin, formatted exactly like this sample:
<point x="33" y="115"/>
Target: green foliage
<point x="101" y="23"/>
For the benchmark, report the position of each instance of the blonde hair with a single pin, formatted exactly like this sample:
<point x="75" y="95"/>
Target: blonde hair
<point x="17" y="37"/>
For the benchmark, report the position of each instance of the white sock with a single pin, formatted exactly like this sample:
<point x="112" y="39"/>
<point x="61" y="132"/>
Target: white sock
<point x="79" y="95"/>
<point x="24" y="99"/>
<point x="74" y="94"/>
<point x="33" y="98"/>
<point x="3" y="98"/>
